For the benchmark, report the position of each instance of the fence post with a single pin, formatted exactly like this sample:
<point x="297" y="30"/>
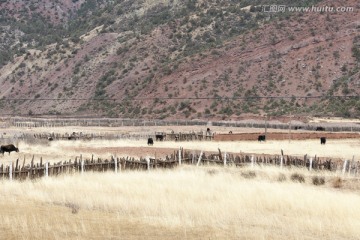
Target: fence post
<point x="180" y="156"/>
<point x="281" y="161"/>
<point x="199" y="160"/>
<point x="344" y="167"/>
<point x="252" y="161"/>
<point x="10" y="172"/>
<point x="352" y="165"/>
<point x="82" y="164"/>
<point x="311" y="161"/>
<point x="47" y="169"/>
<point x="115" y="161"/>
<point x="148" y="163"/>
<point x="225" y="159"/>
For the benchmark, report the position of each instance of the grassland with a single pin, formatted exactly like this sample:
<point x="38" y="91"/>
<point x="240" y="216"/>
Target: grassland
<point x="204" y="202"/>
<point x="65" y="150"/>
<point x="345" y="149"/>
<point x="185" y="203"/>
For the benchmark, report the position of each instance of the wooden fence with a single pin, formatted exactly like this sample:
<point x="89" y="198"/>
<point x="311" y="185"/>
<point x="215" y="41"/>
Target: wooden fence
<point x="16" y="170"/>
<point x="178" y="136"/>
<point x="189" y="136"/>
<point x="118" y="122"/>
<point x="87" y="136"/>
<point x="77" y="136"/>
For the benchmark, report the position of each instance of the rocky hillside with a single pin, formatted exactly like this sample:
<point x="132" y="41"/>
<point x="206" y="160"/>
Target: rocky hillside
<point x="178" y="59"/>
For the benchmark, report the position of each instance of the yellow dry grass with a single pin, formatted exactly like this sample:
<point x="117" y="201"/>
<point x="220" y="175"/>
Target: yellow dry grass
<point x="65" y="150"/>
<point x="185" y="203"/>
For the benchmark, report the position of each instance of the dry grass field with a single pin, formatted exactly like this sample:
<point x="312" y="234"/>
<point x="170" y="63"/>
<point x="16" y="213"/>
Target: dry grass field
<point x="64" y="149"/>
<point x="186" y="203"/>
<point x="205" y="202"/>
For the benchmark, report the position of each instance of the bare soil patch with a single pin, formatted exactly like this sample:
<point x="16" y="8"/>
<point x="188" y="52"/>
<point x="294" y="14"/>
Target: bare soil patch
<point x="285" y="136"/>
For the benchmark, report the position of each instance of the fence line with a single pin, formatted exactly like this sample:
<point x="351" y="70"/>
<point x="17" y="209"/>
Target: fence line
<point x="79" y="165"/>
<point x="117" y="122"/>
<point x="180" y="136"/>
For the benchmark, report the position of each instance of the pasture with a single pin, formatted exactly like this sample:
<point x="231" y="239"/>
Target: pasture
<point x="66" y="149"/>
<point x="186" y="203"/>
<point x="58" y="150"/>
<point x="205" y="202"/>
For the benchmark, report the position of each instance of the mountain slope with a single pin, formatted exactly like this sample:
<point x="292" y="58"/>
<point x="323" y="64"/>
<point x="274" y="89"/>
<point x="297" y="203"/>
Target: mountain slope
<point x="193" y="59"/>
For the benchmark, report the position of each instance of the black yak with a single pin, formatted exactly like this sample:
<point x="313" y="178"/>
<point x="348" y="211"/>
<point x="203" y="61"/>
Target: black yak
<point x="320" y="129"/>
<point x="159" y="137"/>
<point x="323" y="140"/>
<point x="8" y="148"/>
<point x="261" y="138"/>
<point x="150" y="141"/>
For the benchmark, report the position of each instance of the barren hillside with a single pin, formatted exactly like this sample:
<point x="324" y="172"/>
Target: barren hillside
<point x="192" y="59"/>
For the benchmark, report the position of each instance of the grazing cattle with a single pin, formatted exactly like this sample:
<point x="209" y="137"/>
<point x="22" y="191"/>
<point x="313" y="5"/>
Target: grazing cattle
<point x="298" y="127"/>
<point x="323" y="140"/>
<point x="150" y="141"/>
<point x="50" y="138"/>
<point x="320" y="129"/>
<point x="8" y="148"/>
<point x="159" y="137"/>
<point x="72" y="136"/>
<point x="261" y="138"/>
<point x="230" y="132"/>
